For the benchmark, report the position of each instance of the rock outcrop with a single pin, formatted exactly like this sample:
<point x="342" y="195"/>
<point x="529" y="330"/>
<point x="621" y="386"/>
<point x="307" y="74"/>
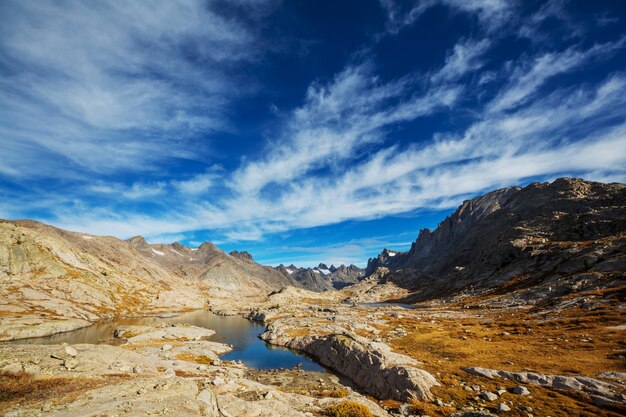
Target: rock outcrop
<point x="243" y="255"/>
<point x="599" y="390"/>
<point x="372" y="366"/>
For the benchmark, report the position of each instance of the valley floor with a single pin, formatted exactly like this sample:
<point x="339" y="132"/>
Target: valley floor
<point x="440" y="360"/>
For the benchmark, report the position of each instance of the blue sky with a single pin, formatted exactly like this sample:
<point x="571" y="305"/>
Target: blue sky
<point x="301" y="131"/>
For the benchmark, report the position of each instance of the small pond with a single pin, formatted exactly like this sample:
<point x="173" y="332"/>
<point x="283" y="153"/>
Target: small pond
<point x="242" y="334"/>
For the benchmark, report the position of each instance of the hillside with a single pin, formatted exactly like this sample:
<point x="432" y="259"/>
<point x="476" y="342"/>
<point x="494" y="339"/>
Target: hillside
<point x="54" y="280"/>
<point x="539" y="242"/>
<point x="223" y="274"/>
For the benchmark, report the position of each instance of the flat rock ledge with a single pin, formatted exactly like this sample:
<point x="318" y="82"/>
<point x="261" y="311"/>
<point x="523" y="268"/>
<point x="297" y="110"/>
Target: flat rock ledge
<point x="139" y="334"/>
<point x="15" y="328"/>
<point x="601" y="392"/>
<point x="372" y="366"/>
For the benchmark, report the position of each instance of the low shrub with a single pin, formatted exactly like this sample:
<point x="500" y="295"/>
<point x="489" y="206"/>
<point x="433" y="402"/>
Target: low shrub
<point x="349" y="409"/>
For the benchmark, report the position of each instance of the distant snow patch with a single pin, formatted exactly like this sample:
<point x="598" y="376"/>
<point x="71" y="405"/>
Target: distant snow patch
<point x="158" y="252"/>
<point x="325" y="271"/>
<point x="88" y="237"/>
<point x="289" y="271"/>
<point x="392" y="254"/>
<point x="176" y="252"/>
<point x="316" y="271"/>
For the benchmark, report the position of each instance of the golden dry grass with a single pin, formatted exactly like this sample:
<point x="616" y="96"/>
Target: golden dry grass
<point x="349" y="409"/>
<point x="188" y="357"/>
<point x="23" y="388"/>
<point x="577" y="342"/>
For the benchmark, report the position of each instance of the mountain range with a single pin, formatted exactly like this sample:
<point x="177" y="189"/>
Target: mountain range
<point x="539" y="242"/>
<point x="322" y="277"/>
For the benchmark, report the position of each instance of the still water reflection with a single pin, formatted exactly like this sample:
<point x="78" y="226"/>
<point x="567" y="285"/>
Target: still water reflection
<point x="242" y="334"/>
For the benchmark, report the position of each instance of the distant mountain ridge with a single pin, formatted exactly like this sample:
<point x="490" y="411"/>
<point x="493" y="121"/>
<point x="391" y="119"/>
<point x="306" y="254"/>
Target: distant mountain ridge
<point x="322" y="277"/>
<point x="536" y="243"/>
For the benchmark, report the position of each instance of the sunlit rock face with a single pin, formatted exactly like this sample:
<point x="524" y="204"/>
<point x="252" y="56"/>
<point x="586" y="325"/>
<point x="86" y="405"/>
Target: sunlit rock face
<point x="55" y="280"/>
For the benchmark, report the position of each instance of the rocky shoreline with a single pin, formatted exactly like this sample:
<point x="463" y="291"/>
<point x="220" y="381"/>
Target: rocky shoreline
<point x="159" y="370"/>
<point x="373" y="366"/>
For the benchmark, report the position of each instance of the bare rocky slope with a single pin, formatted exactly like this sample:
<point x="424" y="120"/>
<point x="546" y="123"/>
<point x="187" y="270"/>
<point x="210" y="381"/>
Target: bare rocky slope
<point x="53" y="280"/>
<point x="540" y="242"/>
<point x="223" y="274"/>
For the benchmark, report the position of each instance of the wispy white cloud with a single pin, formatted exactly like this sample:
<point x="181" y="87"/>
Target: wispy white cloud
<point x="332" y="158"/>
<point x="353" y="251"/>
<point x="337" y="120"/>
<point x="136" y="191"/>
<point x="465" y="57"/>
<point x="492" y="14"/>
<point x="526" y="80"/>
<point x="565" y="133"/>
<point x="200" y="183"/>
<point x="109" y="86"/>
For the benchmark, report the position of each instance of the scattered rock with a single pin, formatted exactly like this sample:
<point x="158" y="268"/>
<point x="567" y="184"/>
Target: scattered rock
<point x="488" y="396"/>
<point x="405" y="410"/>
<point x="601" y="401"/>
<point x="520" y="390"/>
<point x="64" y="353"/>
<point x="12" y="369"/>
<point x="472" y="414"/>
<point x="70" y="363"/>
<point x="208" y="398"/>
<point x="503" y="407"/>
<point x="69" y="350"/>
<point x="574" y="383"/>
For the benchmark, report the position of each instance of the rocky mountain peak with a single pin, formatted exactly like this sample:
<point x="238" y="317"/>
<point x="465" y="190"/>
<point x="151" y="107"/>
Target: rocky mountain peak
<point x="207" y="248"/>
<point x="385" y="259"/>
<point x="137" y="241"/>
<point x="179" y="246"/>
<point x="494" y="237"/>
<point x="243" y="255"/>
